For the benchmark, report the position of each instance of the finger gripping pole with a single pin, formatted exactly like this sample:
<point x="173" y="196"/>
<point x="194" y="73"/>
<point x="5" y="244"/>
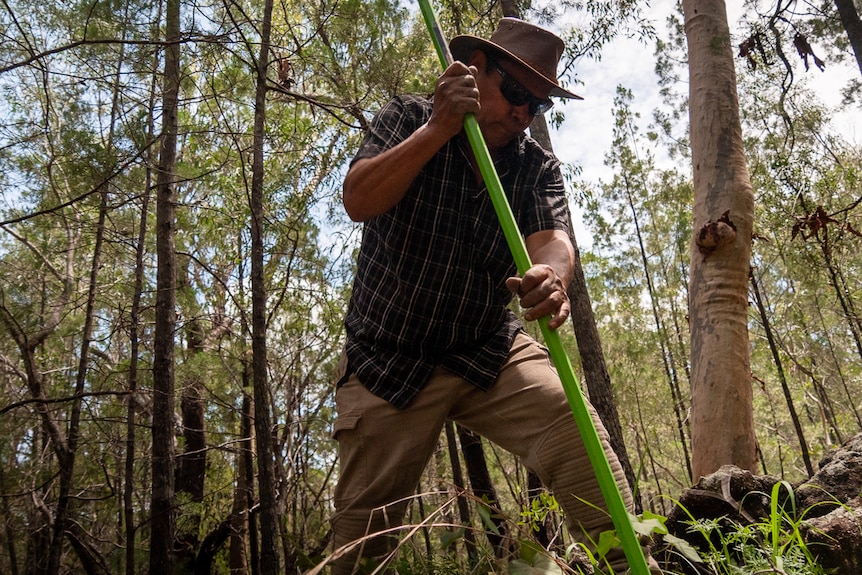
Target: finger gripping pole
<point x="596" y="453"/>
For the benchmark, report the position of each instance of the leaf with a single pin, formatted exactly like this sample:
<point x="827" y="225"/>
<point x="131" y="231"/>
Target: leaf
<point x="541" y="565"/>
<point x="485" y="513"/>
<point x="648" y="524"/>
<point x="528" y="550"/>
<point x="684" y="548"/>
<point x="447" y="538"/>
<point x="852" y="230"/>
<point x="607" y="540"/>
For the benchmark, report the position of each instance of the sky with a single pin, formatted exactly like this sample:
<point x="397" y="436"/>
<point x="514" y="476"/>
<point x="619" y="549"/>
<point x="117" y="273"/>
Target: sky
<point x="585" y="137"/>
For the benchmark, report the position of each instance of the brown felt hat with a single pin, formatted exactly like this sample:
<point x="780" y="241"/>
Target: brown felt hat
<point x="536" y="50"/>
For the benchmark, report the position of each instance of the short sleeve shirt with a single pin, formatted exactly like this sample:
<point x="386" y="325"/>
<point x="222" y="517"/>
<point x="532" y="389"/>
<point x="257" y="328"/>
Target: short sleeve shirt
<point x="430" y="284"/>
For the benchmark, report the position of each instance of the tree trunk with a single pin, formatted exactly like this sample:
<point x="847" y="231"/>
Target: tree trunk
<point x="842" y="292"/>
<point x="191" y="464"/>
<point x="836" y="277"/>
<point x="851" y="402"/>
<point x="8" y="530"/>
<point x="248" y="465"/>
<point x="92" y="561"/>
<point x="134" y="341"/>
<point x="269" y="558"/>
<point x="36" y="561"/>
<point x="162" y="514"/>
<point x="242" y="498"/>
<point x="722" y="423"/>
<point x="44" y="552"/>
<point x="482" y="486"/>
<point x="646" y="455"/>
<point x="461" y="487"/>
<point x="244" y="518"/>
<point x="853" y="26"/>
<point x="210" y="547"/>
<point x="132" y="386"/>
<point x="584" y="322"/>
<point x="67" y="464"/>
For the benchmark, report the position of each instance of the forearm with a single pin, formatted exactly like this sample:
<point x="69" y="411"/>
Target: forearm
<point x="374" y="185"/>
<point x="553" y="248"/>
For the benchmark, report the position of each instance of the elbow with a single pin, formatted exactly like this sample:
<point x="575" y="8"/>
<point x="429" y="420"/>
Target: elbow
<point x="352" y="201"/>
<point x="353" y="198"/>
<point x="353" y="206"/>
<point x="349" y="207"/>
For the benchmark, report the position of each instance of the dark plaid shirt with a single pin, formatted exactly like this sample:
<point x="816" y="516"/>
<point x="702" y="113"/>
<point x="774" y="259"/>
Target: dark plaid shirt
<point x="430" y="286"/>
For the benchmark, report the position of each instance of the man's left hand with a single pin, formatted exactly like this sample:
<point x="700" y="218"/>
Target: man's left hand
<point x="542" y="293"/>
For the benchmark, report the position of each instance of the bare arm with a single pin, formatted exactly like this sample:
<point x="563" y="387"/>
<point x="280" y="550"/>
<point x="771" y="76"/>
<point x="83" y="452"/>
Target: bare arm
<point x="543" y="289"/>
<point x="374" y="185"/>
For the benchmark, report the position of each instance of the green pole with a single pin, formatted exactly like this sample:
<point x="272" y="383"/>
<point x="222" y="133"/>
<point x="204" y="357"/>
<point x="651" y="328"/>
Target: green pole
<point x="598" y="458"/>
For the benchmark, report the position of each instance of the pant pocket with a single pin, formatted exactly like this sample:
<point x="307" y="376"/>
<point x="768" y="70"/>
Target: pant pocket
<point x="352" y="472"/>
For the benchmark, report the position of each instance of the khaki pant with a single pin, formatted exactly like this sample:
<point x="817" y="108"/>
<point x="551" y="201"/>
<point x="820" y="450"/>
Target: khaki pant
<point x="383" y="450"/>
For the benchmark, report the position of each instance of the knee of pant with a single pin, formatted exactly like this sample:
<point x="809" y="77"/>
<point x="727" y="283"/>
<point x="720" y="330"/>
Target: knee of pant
<point x="354" y="524"/>
<point x="360" y="537"/>
<point x="560" y="451"/>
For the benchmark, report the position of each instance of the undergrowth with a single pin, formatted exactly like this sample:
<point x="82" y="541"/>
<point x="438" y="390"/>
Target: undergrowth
<point x="771" y="545"/>
<point x="768" y="545"/>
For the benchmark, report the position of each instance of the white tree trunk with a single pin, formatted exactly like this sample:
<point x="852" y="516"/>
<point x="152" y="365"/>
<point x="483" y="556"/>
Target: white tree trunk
<point x="722" y="425"/>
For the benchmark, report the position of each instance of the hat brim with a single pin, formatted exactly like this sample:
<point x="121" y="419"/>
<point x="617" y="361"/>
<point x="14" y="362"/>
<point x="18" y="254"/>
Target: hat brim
<point x="462" y="47"/>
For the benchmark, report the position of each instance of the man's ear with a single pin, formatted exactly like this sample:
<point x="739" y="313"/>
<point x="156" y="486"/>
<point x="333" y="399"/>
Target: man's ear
<point x="479" y="59"/>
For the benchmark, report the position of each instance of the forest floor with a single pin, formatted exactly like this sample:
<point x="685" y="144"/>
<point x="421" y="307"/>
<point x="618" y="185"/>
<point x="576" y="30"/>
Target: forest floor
<point x="733" y="511"/>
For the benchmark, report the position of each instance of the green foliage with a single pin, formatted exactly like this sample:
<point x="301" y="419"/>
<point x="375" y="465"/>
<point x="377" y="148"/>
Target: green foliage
<point x="769" y="544"/>
<point x="540" y="507"/>
<point x="718" y="546"/>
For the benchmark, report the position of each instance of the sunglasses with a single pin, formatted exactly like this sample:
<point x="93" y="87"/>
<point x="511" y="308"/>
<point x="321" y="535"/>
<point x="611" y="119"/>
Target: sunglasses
<point x="518" y="95"/>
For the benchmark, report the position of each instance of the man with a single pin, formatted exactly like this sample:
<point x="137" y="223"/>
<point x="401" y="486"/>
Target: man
<point x="429" y="333"/>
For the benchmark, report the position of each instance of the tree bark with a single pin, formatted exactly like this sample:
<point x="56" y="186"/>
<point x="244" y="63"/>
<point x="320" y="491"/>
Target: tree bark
<point x="132" y="407"/>
<point x="8" y="529"/>
<point x="853" y="26"/>
<point x="269" y="557"/>
<point x="210" y="546"/>
<point x="244" y="522"/>
<point x="482" y="486"/>
<point x="596" y="375"/>
<point x="722" y="423"/>
<point x="67" y="464"/>
<point x="247" y="463"/>
<point x="162" y="514"/>
<point x="668" y="360"/>
<point x="242" y="498"/>
<point x="191" y="464"/>
<point x="461" y="487"/>
<point x="130" y="528"/>
<point x="92" y="561"/>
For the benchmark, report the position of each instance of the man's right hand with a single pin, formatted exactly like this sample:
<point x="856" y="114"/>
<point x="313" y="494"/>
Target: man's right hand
<point x="455" y="95"/>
